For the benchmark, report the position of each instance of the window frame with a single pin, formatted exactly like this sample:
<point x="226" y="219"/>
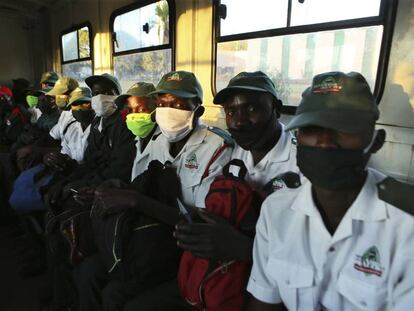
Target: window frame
<point x="386" y="18"/>
<point x="140" y="4"/>
<point x="79" y="59"/>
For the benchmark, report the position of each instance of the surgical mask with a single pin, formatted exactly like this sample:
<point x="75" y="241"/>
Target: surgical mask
<point x="84" y="116"/>
<point x="175" y="124"/>
<point x="140" y="124"/>
<point x="333" y="168"/>
<point x="32" y="100"/>
<point x="61" y="101"/>
<point x="104" y="105"/>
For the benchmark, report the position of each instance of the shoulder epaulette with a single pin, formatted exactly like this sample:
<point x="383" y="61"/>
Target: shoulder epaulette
<point x="228" y="140"/>
<point x="397" y="193"/>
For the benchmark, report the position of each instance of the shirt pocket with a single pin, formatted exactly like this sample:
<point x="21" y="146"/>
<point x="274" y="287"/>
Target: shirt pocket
<point x="295" y="283"/>
<point x="189" y="183"/>
<point x="361" y="294"/>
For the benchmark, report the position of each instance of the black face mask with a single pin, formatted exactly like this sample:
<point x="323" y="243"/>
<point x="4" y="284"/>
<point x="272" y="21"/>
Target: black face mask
<point x="84" y="116"/>
<point x="332" y="168"/>
<point x="45" y="106"/>
<point x="253" y="137"/>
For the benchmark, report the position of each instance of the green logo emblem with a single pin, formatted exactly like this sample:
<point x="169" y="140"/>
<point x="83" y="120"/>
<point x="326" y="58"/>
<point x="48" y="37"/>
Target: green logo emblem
<point x="174" y="77"/>
<point x="191" y="161"/>
<point x="370" y="262"/>
<point x="327" y="85"/>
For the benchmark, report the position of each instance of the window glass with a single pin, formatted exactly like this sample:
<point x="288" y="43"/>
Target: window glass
<point x="78" y="70"/>
<point x="292" y="60"/>
<point x="321" y="11"/>
<point x="247" y="16"/>
<point x="145" y="66"/>
<point x="83" y="38"/>
<point x="70" y="46"/>
<point x="143" y="27"/>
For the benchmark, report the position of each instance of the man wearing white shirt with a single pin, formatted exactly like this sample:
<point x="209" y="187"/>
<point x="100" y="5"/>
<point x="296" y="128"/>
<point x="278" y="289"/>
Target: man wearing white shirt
<point x="344" y="239"/>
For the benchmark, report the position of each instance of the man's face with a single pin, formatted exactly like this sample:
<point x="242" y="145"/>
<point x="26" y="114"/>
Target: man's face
<point x="46" y="85"/>
<point x="101" y="88"/>
<point x="81" y="106"/>
<point x="140" y="104"/>
<point x="314" y="136"/>
<point x="247" y="110"/>
<point x="172" y="101"/>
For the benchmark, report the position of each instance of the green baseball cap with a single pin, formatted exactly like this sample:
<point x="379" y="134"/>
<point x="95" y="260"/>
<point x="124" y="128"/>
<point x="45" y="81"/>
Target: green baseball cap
<point x="180" y="83"/>
<point x="80" y="94"/>
<point x="49" y="77"/>
<point x="339" y="101"/>
<point x="105" y="78"/>
<point x="256" y="81"/>
<point x="137" y="89"/>
<point x="63" y="85"/>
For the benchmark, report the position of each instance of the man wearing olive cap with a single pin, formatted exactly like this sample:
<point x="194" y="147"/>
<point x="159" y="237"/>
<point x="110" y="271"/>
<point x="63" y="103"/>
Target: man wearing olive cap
<point x="344" y="239"/>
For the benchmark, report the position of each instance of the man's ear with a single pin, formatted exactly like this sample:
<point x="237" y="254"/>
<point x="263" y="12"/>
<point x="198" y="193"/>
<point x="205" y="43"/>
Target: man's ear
<point x="199" y="111"/>
<point x="379" y="141"/>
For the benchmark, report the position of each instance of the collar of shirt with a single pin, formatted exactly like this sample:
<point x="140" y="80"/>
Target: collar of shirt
<point x="366" y="207"/>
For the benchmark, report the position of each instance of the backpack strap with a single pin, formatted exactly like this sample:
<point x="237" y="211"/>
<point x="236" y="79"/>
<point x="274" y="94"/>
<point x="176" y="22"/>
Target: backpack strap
<point x="215" y="156"/>
<point x="235" y="162"/>
<point x="67" y="127"/>
<point x="396" y="193"/>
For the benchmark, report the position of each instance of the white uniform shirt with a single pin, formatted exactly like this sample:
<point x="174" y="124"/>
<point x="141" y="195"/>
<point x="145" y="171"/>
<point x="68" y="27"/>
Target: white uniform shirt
<point x="35" y="114"/>
<point x="280" y="159"/>
<point x="190" y="163"/>
<point x="57" y="130"/>
<point x="368" y="264"/>
<point x="75" y="141"/>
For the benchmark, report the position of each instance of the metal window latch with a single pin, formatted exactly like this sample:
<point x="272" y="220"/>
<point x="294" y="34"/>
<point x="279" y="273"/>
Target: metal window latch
<point x="145" y="28"/>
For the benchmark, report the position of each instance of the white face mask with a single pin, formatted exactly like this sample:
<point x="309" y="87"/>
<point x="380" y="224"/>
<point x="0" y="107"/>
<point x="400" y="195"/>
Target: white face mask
<point x="175" y="124"/>
<point x="104" y="105"/>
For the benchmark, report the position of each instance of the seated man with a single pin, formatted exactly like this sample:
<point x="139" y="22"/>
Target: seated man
<point x="61" y="92"/>
<point x="343" y="240"/>
<point x="252" y="110"/>
<point x="189" y="146"/>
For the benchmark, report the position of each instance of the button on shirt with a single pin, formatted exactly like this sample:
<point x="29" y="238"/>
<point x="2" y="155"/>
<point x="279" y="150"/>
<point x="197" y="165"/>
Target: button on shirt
<point x="75" y="141"/>
<point x="280" y="159"/>
<point x="368" y="264"/>
<point x="57" y="130"/>
<point x="190" y="163"/>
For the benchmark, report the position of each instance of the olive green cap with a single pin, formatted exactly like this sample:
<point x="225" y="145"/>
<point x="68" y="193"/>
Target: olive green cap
<point x="105" y="78"/>
<point x="338" y="101"/>
<point x="63" y="85"/>
<point x="49" y="77"/>
<point x="137" y="89"/>
<point x="256" y="81"/>
<point x="180" y="83"/>
<point x="80" y="94"/>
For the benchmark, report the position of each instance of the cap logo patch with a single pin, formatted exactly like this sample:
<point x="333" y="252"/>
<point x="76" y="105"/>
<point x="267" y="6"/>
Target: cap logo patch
<point x="327" y="85"/>
<point x="174" y="77"/>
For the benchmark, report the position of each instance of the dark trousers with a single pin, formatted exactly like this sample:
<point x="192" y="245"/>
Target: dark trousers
<point x="160" y="298"/>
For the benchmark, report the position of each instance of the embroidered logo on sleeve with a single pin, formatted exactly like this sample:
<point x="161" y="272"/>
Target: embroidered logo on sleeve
<point x="191" y="161"/>
<point x="369" y="263"/>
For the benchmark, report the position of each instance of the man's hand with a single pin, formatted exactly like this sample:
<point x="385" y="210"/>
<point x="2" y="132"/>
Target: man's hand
<point x="214" y="239"/>
<point x="112" y="201"/>
<point x="84" y="196"/>
<point x="58" y="161"/>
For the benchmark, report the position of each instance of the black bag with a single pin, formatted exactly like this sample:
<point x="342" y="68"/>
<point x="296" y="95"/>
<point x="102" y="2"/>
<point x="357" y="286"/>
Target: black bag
<point x="136" y="247"/>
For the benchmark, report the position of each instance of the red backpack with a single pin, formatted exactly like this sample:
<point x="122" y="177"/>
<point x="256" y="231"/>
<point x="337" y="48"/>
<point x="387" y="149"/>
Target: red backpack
<point x="220" y="285"/>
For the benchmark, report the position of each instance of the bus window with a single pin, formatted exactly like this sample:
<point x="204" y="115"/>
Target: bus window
<point x="293" y="40"/>
<point x="142" y="42"/>
<point x="76" y="53"/>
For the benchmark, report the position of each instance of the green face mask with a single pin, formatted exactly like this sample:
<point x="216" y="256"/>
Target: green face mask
<point x="140" y="124"/>
<point x="32" y="100"/>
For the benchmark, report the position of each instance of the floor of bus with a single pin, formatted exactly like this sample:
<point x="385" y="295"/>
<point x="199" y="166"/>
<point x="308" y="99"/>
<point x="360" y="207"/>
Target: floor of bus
<point x="16" y="293"/>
